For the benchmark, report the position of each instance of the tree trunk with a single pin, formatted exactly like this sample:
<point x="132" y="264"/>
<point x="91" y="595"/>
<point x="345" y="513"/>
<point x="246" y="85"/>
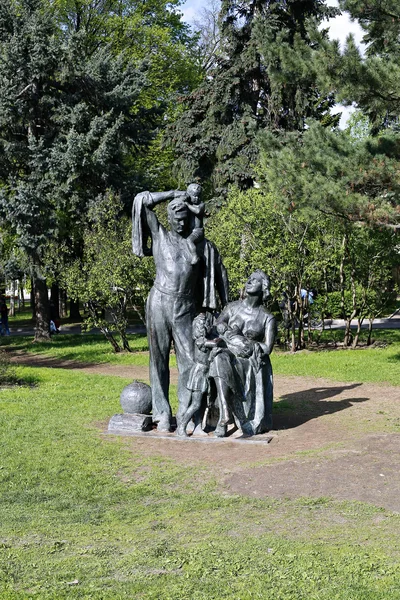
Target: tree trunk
<point x="12" y="299"/>
<point x="55" y="299"/>
<point x="62" y="304"/>
<point x="120" y="323"/>
<point x="103" y="326"/>
<point x="359" y="323"/>
<point x="74" y="313"/>
<point x="300" y="331"/>
<point x="110" y="338"/>
<point x="32" y="300"/>
<point x="21" y="299"/>
<point x="42" y="310"/>
<point x="347" y="332"/>
<point x="323" y="309"/>
<point x="293" y="336"/>
<point x="293" y="313"/>
<point x="370" y="322"/>
<point x="342" y="297"/>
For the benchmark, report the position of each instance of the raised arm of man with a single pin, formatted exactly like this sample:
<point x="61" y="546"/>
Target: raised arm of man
<point x="144" y="220"/>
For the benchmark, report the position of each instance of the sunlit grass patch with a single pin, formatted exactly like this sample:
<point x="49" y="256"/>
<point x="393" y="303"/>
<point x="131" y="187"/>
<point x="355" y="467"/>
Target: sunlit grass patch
<point x="85" y="515"/>
<point x="380" y="365"/>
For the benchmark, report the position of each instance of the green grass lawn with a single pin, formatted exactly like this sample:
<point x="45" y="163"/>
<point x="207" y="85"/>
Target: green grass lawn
<point x="86" y="348"/>
<point x="22" y="317"/>
<point x="377" y="364"/>
<point x="88" y="516"/>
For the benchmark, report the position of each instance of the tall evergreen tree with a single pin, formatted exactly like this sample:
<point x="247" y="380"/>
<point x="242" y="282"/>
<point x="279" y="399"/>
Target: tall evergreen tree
<point x="371" y="80"/>
<point x="264" y="78"/>
<point x="151" y="32"/>
<point x="68" y="121"/>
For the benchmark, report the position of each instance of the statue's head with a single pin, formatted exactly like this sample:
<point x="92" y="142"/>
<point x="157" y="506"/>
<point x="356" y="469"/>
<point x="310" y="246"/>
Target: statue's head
<point x="258" y="284"/>
<point x="194" y="191"/>
<point x="178" y="216"/>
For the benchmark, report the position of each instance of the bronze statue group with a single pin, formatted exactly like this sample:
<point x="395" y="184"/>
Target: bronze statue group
<point x="223" y="359"/>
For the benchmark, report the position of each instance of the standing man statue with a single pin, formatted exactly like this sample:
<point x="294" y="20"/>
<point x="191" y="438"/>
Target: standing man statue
<point x="183" y="286"/>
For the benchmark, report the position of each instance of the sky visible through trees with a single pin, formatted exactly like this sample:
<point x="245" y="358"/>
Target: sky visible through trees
<point x="340" y="27"/>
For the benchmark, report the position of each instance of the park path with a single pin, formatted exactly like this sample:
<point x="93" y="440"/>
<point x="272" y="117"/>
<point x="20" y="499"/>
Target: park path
<point x="333" y="439"/>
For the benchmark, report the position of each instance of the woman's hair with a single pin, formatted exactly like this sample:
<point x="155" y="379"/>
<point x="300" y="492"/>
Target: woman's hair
<point x="265" y="281"/>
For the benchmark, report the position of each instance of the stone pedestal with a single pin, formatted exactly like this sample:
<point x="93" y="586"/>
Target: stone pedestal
<point x="129" y="423"/>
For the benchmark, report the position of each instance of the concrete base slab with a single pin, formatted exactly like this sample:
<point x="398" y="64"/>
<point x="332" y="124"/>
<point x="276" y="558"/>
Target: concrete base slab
<point x="263" y="439"/>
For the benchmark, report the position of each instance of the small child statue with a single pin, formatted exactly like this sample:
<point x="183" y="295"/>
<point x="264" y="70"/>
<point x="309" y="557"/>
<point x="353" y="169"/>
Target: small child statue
<point x="197" y="208"/>
<point x="198" y="377"/>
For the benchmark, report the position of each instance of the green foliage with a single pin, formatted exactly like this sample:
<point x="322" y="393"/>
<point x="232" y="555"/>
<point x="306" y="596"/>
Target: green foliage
<point x="301" y="248"/>
<point x="371" y="80"/>
<point x="264" y="79"/>
<point x="353" y="179"/>
<point x="372" y="305"/>
<point x="358" y="125"/>
<point x="66" y="120"/>
<point x="254" y="231"/>
<point x="71" y="121"/>
<point x="147" y="33"/>
<point x="109" y="277"/>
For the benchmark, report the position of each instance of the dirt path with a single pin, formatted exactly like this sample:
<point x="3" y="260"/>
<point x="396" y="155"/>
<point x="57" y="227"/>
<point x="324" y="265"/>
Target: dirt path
<point x="330" y="439"/>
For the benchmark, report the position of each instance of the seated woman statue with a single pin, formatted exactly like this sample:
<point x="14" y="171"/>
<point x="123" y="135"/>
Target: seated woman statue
<point x="242" y="371"/>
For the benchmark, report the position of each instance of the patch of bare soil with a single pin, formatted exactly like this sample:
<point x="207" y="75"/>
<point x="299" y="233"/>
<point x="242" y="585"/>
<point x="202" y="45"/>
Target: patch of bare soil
<point x="330" y="439"/>
<point x="368" y="471"/>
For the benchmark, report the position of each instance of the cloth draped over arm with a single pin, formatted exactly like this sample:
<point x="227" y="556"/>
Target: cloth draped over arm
<point x="140" y="230"/>
<point x="215" y="278"/>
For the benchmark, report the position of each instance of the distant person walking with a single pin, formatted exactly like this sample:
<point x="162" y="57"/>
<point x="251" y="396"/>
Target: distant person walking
<point x="4" y="318"/>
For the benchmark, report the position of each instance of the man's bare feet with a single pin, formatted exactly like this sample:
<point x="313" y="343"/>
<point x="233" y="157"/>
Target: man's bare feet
<point x="220" y="430"/>
<point x="164" y="424"/>
<point x="181" y="431"/>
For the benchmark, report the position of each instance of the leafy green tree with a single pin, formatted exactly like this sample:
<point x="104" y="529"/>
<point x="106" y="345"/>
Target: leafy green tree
<point x="253" y="230"/>
<point x="109" y="278"/>
<point x="264" y="78"/>
<point x="68" y="122"/>
<point x="153" y="33"/>
<point x="355" y="181"/>
<point x="369" y="270"/>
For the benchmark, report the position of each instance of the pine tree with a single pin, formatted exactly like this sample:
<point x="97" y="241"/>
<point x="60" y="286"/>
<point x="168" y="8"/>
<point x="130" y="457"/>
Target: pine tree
<point x="68" y="122"/>
<point x="264" y="79"/>
<point x="372" y="80"/>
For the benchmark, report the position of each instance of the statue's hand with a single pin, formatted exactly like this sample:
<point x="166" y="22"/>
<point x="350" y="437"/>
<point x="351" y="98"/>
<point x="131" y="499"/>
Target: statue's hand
<point x="246" y="349"/>
<point x="213" y="343"/>
<point x="141" y="195"/>
<point x="258" y="352"/>
<point x="221" y="328"/>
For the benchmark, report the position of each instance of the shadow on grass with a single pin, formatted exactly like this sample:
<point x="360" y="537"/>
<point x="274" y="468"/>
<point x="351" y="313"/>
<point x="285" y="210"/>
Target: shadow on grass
<point x="86" y="349"/>
<point x="28" y="381"/>
<point x="70" y="340"/>
<point x="11" y="380"/>
<point x="296" y="409"/>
